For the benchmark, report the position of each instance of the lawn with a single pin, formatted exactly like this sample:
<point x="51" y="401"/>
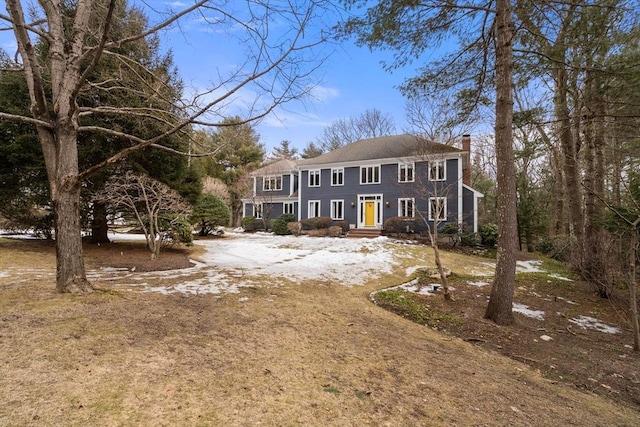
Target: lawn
<point x="259" y="331"/>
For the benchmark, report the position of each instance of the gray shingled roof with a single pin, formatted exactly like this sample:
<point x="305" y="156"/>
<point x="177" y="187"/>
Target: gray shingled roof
<point x="278" y="167"/>
<point x="384" y="147"/>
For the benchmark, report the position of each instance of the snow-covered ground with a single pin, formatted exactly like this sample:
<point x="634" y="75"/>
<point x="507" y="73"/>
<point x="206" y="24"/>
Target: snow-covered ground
<point x="241" y="260"/>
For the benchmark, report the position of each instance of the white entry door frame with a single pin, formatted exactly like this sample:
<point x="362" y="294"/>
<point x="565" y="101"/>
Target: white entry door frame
<point x="370" y="211"/>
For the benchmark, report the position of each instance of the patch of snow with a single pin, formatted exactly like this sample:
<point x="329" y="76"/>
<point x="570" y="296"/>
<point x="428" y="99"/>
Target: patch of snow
<point x="109" y="269"/>
<point x="559" y="277"/>
<point x="521" y="267"/>
<point x="529" y="266"/>
<point x="125" y="237"/>
<point x="243" y="299"/>
<point x="343" y="261"/>
<point x="478" y="284"/>
<point x="413" y="287"/>
<point x="567" y="301"/>
<point x="242" y="260"/>
<point x="412" y="270"/>
<point x="526" y="311"/>
<point x="586" y="322"/>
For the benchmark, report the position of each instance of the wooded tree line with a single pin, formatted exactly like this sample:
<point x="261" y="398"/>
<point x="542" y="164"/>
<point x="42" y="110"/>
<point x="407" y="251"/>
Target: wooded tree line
<point x="575" y="121"/>
<point x="559" y="81"/>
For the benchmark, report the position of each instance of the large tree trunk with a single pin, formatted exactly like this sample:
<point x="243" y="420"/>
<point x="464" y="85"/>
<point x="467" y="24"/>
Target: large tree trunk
<point x="595" y="266"/>
<point x="99" y="224"/>
<point x="65" y="190"/>
<point x="500" y="304"/>
<point x="631" y="283"/>
<point x="70" y="273"/>
<point x="571" y="161"/>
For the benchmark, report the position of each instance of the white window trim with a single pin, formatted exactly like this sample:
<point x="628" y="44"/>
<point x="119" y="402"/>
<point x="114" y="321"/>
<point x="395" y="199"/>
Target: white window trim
<point x="372" y="167"/>
<point x="444" y="208"/>
<point x="341" y="173"/>
<point x="291" y="206"/>
<point x="314" y="172"/>
<point x="313" y="203"/>
<point x="333" y="212"/>
<point x="406" y="167"/>
<point x="257" y="210"/>
<point x="275" y="179"/>
<point x="413" y="206"/>
<point x="442" y="167"/>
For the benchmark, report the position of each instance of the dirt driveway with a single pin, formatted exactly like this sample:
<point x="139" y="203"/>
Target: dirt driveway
<point x="276" y="352"/>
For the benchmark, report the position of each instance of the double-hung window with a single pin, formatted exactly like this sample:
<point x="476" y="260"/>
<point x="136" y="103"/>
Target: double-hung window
<point x="288" y="208"/>
<point x="405" y="172"/>
<point x="370" y="174"/>
<point x="436" y="170"/>
<point x="337" y="209"/>
<point x="272" y="183"/>
<point x="314" y="178"/>
<point x="437" y="208"/>
<point x="257" y="210"/>
<point x="337" y="176"/>
<point x="406" y="207"/>
<point x="314" y="209"/>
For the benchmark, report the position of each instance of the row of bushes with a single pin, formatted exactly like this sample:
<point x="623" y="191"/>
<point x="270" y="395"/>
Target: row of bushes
<point x="288" y="224"/>
<point x="400" y="226"/>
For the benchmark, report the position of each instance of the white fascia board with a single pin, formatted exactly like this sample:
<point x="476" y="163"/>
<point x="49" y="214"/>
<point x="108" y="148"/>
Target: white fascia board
<point x="383" y="161"/>
<point x="476" y="193"/>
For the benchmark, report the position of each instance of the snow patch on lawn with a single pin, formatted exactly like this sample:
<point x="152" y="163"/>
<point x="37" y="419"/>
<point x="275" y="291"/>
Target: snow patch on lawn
<point x="478" y="284"/>
<point x="568" y="301"/>
<point x="526" y="311"/>
<point x="586" y="322"/>
<point x="413" y="287"/>
<point x="343" y="261"/>
<point x="242" y="260"/>
<point x="559" y="277"/>
<point x="529" y="266"/>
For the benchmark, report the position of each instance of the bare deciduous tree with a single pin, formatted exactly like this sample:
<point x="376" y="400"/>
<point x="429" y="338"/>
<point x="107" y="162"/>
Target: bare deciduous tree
<point x="216" y="187"/>
<point x="148" y="202"/>
<point x="435" y="119"/>
<point x="370" y="124"/>
<point x="78" y="36"/>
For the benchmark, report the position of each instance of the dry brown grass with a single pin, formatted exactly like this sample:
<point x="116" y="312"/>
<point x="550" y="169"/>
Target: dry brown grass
<point x="297" y="354"/>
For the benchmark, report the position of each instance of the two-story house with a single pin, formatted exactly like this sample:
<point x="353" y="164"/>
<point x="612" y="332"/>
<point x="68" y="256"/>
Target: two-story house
<point x="368" y="181"/>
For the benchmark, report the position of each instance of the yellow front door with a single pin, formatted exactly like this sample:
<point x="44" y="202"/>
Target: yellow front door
<point x="369" y="214"/>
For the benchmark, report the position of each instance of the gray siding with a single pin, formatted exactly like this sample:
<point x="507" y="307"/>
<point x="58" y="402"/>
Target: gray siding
<point x="468" y="218"/>
<point x="389" y="187"/>
<point x="275" y="209"/>
<point x="286" y="183"/>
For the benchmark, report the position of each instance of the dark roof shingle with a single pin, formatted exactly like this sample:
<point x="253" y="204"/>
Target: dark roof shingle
<point x="384" y="147"/>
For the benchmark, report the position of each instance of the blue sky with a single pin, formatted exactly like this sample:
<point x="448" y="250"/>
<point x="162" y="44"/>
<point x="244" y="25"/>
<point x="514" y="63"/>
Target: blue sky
<point x="350" y="82"/>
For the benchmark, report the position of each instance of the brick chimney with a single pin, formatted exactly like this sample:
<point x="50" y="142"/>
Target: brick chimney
<point x="466" y="158"/>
